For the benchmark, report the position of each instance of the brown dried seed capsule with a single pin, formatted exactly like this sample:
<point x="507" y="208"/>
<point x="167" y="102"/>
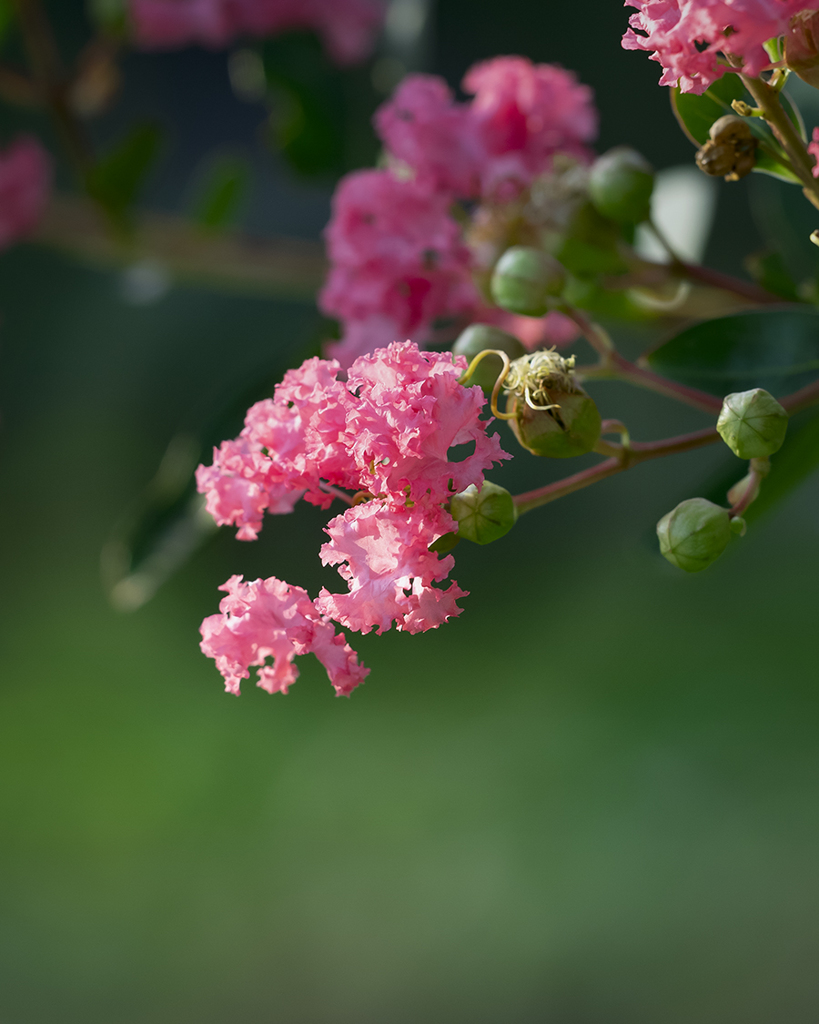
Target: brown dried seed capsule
<point x="731" y="150"/>
<point x="730" y="128"/>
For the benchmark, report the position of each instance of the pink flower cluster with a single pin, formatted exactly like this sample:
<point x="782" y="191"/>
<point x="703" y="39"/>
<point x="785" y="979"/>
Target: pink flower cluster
<point x="347" y="27"/>
<point x="398" y="261"/>
<point x="385" y="434"/>
<point x="25" y="186"/>
<point x="691" y="39"/>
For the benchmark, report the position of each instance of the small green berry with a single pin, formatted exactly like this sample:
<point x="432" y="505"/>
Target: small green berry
<point x="525" y="279"/>
<point x="620" y="185"/>
<point x="694" y="534"/>
<point x="752" y="423"/>
<point x="485" y="515"/>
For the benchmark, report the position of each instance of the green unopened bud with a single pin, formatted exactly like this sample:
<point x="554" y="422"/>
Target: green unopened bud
<point x="620" y="185"/>
<point x="476" y="339"/>
<point x="525" y="279"/>
<point x="694" y="534"/>
<point x="752" y="423"/>
<point x="738" y="526"/>
<point x="485" y="515"/>
<point x="552" y="415"/>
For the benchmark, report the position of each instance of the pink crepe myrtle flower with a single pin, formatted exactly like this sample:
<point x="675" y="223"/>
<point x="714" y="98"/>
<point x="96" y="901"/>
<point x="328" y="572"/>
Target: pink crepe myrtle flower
<point x="423" y="127"/>
<point x="524" y="114"/>
<point x="347" y="27"/>
<point x="25" y="186"/>
<point x="692" y="38"/>
<point x="521" y="115"/>
<point x="271" y="619"/>
<point x="398" y="260"/>
<point x="813" y="149"/>
<point x="388" y="433"/>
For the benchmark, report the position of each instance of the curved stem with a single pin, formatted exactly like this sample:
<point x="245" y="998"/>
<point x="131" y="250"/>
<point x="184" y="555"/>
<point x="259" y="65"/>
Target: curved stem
<point x="636" y="453"/>
<point x="767" y="99"/>
<point x="725" y="282"/>
<point x="617" y="367"/>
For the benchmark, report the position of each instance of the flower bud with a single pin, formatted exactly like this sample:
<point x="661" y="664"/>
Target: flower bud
<point x="476" y="339"/>
<point x="620" y="185"/>
<point x="730" y="151"/>
<point x="752" y="424"/>
<point x="485" y="515"/>
<point x="802" y="46"/>
<point x="552" y="415"/>
<point x="694" y="534"/>
<point x="524" y="279"/>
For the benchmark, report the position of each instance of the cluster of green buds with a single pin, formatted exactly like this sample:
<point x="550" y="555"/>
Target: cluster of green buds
<point x="549" y="412"/>
<point x="695" y="533"/>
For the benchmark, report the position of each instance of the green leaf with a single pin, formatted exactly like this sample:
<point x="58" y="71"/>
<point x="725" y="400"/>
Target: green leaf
<point x="775" y="349"/>
<point x="307" y="121"/>
<point x="768" y="269"/>
<point x="117" y="178"/>
<point x="696" y="114"/>
<point x="111" y="15"/>
<point x="7" y="18"/>
<point x="220" y="192"/>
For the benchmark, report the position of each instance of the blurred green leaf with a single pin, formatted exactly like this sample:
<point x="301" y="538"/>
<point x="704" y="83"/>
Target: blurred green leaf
<point x="307" y="122"/>
<point x="775" y="349"/>
<point x="108" y="14"/>
<point x="117" y="178"/>
<point x="7" y="17"/>
<point x="591" y="244"/>
<point x="220" y="192"/>
<point x="768" y="269"/>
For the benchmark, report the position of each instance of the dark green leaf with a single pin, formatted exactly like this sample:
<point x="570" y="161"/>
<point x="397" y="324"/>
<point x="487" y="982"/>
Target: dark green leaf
<point x="775" y="349"/>
<point x="111" y="15"/>
<point x="768" y="269"/>
<point x="117" y="178"/>
<point x="6" y="19"/>
<point x="220" y="192"/>
<point x="696" y="114"/>
<point x="308" y="103"/>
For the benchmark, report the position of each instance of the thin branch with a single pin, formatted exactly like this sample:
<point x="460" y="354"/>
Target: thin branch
<point x="285" y="267"/>
<point x="628" y="457"/>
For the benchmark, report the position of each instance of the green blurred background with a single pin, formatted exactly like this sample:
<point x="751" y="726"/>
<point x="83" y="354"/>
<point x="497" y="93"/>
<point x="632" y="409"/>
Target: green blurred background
<point x="592" y="799"/>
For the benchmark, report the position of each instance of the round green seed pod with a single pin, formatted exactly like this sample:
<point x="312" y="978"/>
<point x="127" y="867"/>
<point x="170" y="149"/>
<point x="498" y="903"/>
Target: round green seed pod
<point x="620" y="185"/>
<point x="694" y="534"/>
<point x="485" y="515"/>
<point x="524" y="279"/>
<point x="752" y="423"/>
<point x="571" y="428"/>
<point x="551" y="415"/>
<point x="476" y="339"/>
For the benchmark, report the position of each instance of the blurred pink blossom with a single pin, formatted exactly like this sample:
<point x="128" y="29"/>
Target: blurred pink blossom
<point x="25" y="186"/>
<point x="347" y="27"/>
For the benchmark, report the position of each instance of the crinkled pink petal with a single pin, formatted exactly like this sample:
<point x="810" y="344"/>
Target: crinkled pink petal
<point x="416" y="411"/>
<point x="384" y="556"/>
<point x="271" y="619"/>
<point x="689" y="38"/>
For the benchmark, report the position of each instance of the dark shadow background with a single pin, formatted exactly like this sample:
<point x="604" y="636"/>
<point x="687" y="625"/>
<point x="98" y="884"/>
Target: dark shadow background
<point x="592" y="799"/>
